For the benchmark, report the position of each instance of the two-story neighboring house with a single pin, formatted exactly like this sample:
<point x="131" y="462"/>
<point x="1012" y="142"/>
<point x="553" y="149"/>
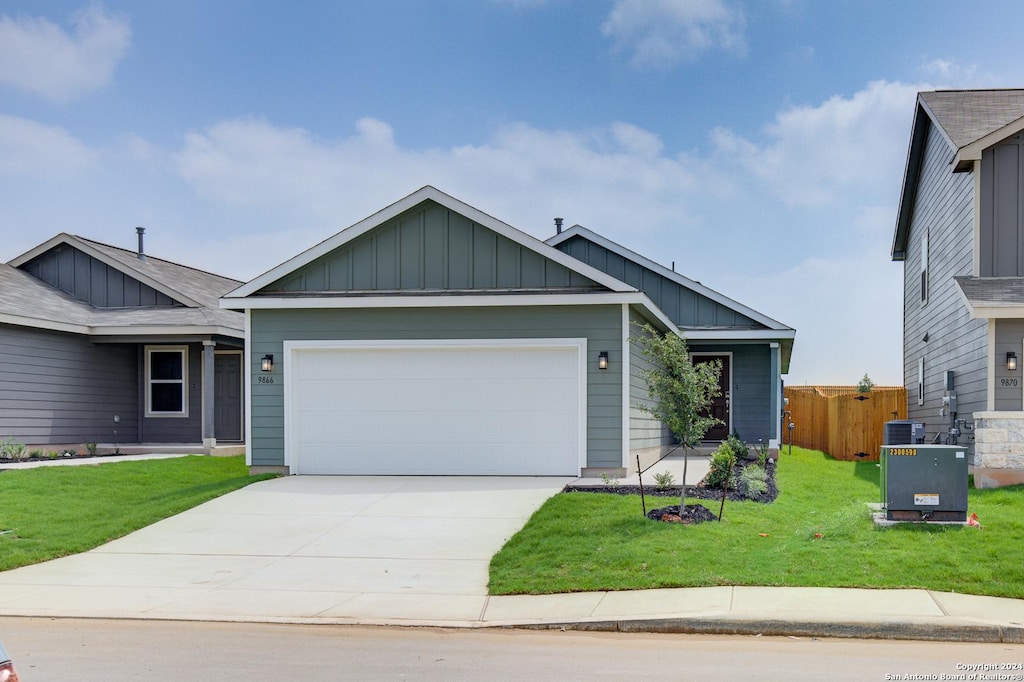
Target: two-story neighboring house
<point x="960" y="235"/>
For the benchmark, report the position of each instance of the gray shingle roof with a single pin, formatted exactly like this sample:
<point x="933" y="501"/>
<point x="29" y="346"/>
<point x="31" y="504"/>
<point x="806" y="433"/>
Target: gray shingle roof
<point x="23" y="296"/>
<point x="966" y="116"/>
<point x="989" y="292"/>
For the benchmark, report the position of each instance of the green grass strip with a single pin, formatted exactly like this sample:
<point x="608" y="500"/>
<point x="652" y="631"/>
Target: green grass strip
<point x="51" y="512"/>
<point x="583" y="542"/>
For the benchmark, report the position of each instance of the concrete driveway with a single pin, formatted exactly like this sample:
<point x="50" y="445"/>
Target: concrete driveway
<point x="328" y="549"/>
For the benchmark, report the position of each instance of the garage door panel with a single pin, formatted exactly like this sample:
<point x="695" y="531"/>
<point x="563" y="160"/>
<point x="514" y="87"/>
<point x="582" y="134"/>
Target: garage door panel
<point x="412" y="460"/>
<point x="452" y="410"/>
<point x="438" y="426"/>
<point x="466" y="394"/>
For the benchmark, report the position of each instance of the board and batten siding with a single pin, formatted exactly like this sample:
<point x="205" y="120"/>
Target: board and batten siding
<point x="1001" y="207"/>
<point x="750" y="399"/>
<point x="683" y="306"/>
<point x="427" y="248"/>
<point x="943" y="212"/>
<point x="59" y="388"/>
<point x="601" y="325"/>
<point x="1009" y="386"/>
<point x="80" y="275"/>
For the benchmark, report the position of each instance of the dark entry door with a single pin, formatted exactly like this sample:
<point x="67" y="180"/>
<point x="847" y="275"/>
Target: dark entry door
<point x="227" y="396"/>
<point x="720" y="406"/>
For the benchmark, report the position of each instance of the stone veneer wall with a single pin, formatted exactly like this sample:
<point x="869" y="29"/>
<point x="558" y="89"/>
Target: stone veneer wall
<point x="998" y="449"/>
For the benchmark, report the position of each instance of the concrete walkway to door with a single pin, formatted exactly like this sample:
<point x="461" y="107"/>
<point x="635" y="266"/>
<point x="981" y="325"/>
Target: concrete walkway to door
<point x="319" y="548"/>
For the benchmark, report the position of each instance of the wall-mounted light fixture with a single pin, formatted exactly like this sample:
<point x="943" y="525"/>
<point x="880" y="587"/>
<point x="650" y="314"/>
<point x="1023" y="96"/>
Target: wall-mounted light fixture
<point x="1011" y="361"/>
<point x="267" y="364"/>
<point x="602" y="360"/>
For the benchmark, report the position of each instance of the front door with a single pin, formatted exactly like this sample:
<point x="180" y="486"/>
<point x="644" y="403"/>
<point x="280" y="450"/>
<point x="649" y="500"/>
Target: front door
<point x="720" y="405"/>
<point x="227" y="397"/>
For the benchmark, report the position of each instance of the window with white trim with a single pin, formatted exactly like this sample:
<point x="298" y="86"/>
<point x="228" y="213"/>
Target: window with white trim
<point x="166" y="381"/>
<point x="920" y="381"/>
<point x="924" y="268"/>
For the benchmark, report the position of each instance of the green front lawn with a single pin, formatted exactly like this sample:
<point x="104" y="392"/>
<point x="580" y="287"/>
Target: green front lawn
<point x="55" y="511"/>
<point x="583" y="541"/>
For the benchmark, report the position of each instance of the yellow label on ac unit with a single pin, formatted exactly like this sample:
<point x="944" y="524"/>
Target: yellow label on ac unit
<point x="926" y="499"/>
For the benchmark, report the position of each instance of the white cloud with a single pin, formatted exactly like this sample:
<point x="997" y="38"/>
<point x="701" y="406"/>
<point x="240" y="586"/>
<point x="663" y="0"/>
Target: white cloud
<point x="662" y="32"/>
<point x="244" y="195"/>
<point x="524" y="175"/>
<point x="814" y="155"/>
<point x="955" y="75"/>
<point x="41" y="57"/>
<point x="33" y="150"/>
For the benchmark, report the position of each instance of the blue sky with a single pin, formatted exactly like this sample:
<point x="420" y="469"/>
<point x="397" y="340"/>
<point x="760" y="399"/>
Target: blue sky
<point x="759" y="145"/>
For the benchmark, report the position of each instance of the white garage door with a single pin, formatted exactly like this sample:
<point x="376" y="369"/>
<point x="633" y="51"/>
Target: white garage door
<point x="480" y="409"/>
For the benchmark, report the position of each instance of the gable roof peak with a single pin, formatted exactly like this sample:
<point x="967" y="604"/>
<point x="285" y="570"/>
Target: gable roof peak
<point x="425" y="193"/>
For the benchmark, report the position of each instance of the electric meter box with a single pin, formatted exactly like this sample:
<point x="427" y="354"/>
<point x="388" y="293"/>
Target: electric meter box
<point x="924" y="482"/>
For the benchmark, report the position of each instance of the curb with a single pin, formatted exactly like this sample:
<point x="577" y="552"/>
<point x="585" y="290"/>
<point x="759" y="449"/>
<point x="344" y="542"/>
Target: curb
<point x="893" y="630"/>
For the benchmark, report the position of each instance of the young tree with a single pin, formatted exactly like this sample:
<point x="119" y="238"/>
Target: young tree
<point x="682" y="392"/>
<point x="865" y="384"/>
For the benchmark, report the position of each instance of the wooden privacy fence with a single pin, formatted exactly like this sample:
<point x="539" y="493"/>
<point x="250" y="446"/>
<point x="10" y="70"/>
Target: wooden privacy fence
<point x="842" y="422"/>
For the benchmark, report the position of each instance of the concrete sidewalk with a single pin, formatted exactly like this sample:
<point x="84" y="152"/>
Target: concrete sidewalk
<point x="415" y="551"/>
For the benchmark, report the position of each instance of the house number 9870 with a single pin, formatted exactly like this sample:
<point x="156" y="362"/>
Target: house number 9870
<point x="1008" y="382"/>
<point x="264" y="380"/>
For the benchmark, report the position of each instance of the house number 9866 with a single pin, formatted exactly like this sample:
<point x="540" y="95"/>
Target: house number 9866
<point x="1008" y="382"/>
<point x="264" y="380"/>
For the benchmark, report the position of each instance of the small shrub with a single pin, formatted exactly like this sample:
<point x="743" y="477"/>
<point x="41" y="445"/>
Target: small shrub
<point x="36" y="454"/>
<point x="91" y="448"/>
<point x="753" y="481"/>
<point x="722" y="461"/>
<point x="609" y="481"/>
<point x="740" y="449"/>
<point x="762" y="453"/>
<point x="12" y="449"/>
<point x="70" y="452"/>
<point x="664" y="479"/>
<point x="52" y="454"/>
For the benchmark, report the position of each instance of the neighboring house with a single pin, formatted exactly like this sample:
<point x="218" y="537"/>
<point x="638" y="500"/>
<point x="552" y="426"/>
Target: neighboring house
<point x="105" y="345"/>
<point x="960" y="235"/>
<point x="431" y="338"/>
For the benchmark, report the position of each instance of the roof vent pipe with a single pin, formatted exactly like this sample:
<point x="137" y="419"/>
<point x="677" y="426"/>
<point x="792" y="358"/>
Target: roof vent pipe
<point x="141" y="231"/>
<point x="558" y="226"/>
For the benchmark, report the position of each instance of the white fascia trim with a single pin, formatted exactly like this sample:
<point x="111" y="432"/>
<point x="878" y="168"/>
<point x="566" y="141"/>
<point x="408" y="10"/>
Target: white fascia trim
<point x="626" y="350"/>
<point x="247" y="368"/>
<point x="290" y="348"/>
<point x="35" y="323"/>
<point x="738" y="334"/>
<point x="697" y="287"/>
<point x="996" y="312"/>
<point x="72" y="240"/>
<point x="990" y="368"/>
<point x="162" y="330"/>
<point x="402" y="205"/>
<point x="972" y="152"/>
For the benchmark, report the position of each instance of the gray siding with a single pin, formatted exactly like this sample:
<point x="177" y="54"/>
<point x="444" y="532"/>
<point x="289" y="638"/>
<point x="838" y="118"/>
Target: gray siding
<point x="601" y="325"/>
<point x="175" y="429"/>
<point x="59" y="388"/>
<point x="427" y="248"/>
<point x="80" y="275"/>
<point x="750" y="406"/>
<point x="1009" y="386"/>
<point x="682" y="305"/>
<point x="1001" y="252"/>
<point x="943" y="209"/>
<point x="644" y="430"/>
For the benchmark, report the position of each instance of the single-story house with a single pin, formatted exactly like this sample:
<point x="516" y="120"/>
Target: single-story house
<point x="432" y="338"/>
<point x="111" y="346"/>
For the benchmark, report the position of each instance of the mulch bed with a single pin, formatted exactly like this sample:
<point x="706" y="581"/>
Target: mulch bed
<point x="9" y="460"/>
<point x="692" y="513"/>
